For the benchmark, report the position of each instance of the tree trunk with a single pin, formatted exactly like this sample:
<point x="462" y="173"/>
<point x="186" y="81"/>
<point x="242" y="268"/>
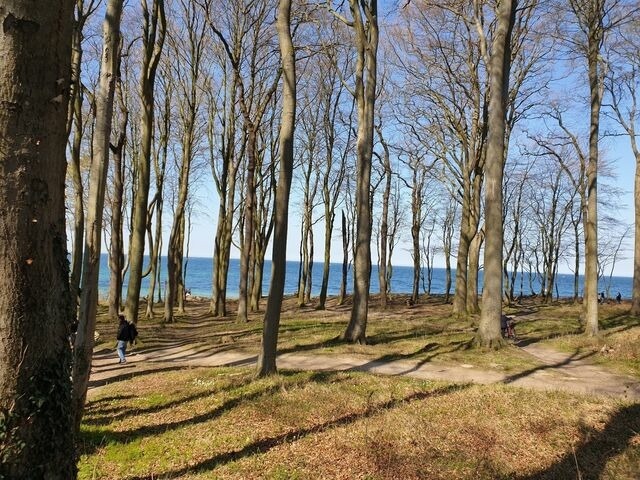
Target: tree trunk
<point x="489" y="333"/>
<point x="328" y="231"/>
<point x="176" y="238"/>
<point x="154" y="33"/>
<point x="384" y="225"/>
<point x="247" y="245"/>
<point x="595" y="16"/>
<point x="36" y="308"/>
<point x="464" y="240"/>
<point x="365" y="89"/>
<point x="345" y="260"/>
<point x="267" y="358"/>
<point x="116" y="247"/>
<point x="635" y="298"/>
<point x="473" y="272"/>
<point x="74" y="164"/>
<point x="84" y="341"/>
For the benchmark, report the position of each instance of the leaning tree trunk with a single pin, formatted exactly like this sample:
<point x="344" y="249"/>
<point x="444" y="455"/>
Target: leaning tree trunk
<point x="84" y="342"/>
<point x="489" y="334"/>
<point x="267" y="359"/>
<point x="36" y="309"/>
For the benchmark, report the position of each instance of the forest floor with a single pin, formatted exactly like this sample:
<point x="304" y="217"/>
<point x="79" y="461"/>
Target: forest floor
<point x="527" y="362"/>
<point x="417" y="402"/>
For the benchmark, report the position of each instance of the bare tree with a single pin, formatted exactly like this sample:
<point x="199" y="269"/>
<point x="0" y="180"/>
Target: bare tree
<point x="84" y="340"/>
<point x="154" y="29"/>
<point x="622" y="85"/>
<point x="364" y="21"/>
<point x="253" y="98"/>
<point x="267" y="358"/>
<point x="76" y="122"/>
<point x="488" y="334"/>
<point x="187" y="69"/>
<point x="594" y="20"/>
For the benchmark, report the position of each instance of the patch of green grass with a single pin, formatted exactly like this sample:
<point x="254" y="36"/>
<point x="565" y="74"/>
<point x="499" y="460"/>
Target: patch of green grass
<point x="224" y="423"/>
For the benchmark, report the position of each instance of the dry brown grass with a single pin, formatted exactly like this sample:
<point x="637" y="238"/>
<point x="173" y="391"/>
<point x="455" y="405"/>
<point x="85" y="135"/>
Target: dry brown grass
<point x="223" y="423"/>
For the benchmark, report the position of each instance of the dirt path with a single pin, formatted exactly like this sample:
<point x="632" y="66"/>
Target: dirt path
<point x="560" y="371"/>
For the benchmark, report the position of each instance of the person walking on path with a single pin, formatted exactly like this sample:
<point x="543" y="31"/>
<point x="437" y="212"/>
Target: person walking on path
<point x="126" y="333"/>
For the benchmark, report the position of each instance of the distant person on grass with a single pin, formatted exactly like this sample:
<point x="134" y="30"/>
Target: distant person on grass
<point x="127" y="332"/>
<point x="618" y="297"/>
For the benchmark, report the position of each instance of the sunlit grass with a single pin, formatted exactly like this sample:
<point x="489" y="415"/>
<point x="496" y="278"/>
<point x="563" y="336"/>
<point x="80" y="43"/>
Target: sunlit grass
<point x="224" y="423"/>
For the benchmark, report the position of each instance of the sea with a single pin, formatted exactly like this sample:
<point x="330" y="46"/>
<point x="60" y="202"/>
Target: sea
<point x="200" y="272"/>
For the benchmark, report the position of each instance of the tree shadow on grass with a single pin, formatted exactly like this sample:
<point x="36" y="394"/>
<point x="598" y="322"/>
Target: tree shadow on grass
<point x="265" y="444"/>
<point x="133" y="372"/>
<point x="574" y="357"/>
<point x="100" y="417"/>
<point x="432" y="350"/>
<point x="589" y="459"/>
<point x="91" y="440"/>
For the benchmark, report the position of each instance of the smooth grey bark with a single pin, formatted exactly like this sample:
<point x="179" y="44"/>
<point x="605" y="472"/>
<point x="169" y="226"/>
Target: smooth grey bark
<point x="365" y="23"/>
<point x="154" y="29"/>
<point x="489" y="334"/>
<point x="36" y="308"/>
<point x="590" y="17"/>
<point x="84" y="340"/>
<point x="116" y="244"/>
<point x="267" y="358"/>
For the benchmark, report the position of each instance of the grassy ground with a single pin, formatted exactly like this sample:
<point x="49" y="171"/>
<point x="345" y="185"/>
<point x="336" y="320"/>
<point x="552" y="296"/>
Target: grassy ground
<point x="425" y="332"/>
<point x="223" y="423"/>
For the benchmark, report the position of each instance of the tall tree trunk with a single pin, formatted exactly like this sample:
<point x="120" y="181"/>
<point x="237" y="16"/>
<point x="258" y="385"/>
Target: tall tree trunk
<point x="592" y="18"/>
<point x="473" y="272"/>
<point x="267" y="358"/>
<point x="247" y="246"/>
<point x="75" y="111"/>
<point x="36" y="309"/>
<point x="366" y="31"/>
<point x="153" y="40"/>
<point x="384" y="224"/>
<point x="635" y="295"/>
<point x="84" y="341"/>
<point x="345" y="260"/>
<point x="176" y="239"/>
<point x="464" y="241"/>
<point x="116" y="247"/>
<point x="489" y="334"/>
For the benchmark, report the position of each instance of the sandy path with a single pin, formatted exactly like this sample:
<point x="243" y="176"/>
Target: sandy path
<point x="560" y="371"/>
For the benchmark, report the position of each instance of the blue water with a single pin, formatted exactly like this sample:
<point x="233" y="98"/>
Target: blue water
<point x="199" y="275"/>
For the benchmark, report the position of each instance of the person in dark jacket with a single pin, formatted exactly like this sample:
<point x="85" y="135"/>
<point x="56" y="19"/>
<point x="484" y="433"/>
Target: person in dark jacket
<point x="124" y="335"/>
